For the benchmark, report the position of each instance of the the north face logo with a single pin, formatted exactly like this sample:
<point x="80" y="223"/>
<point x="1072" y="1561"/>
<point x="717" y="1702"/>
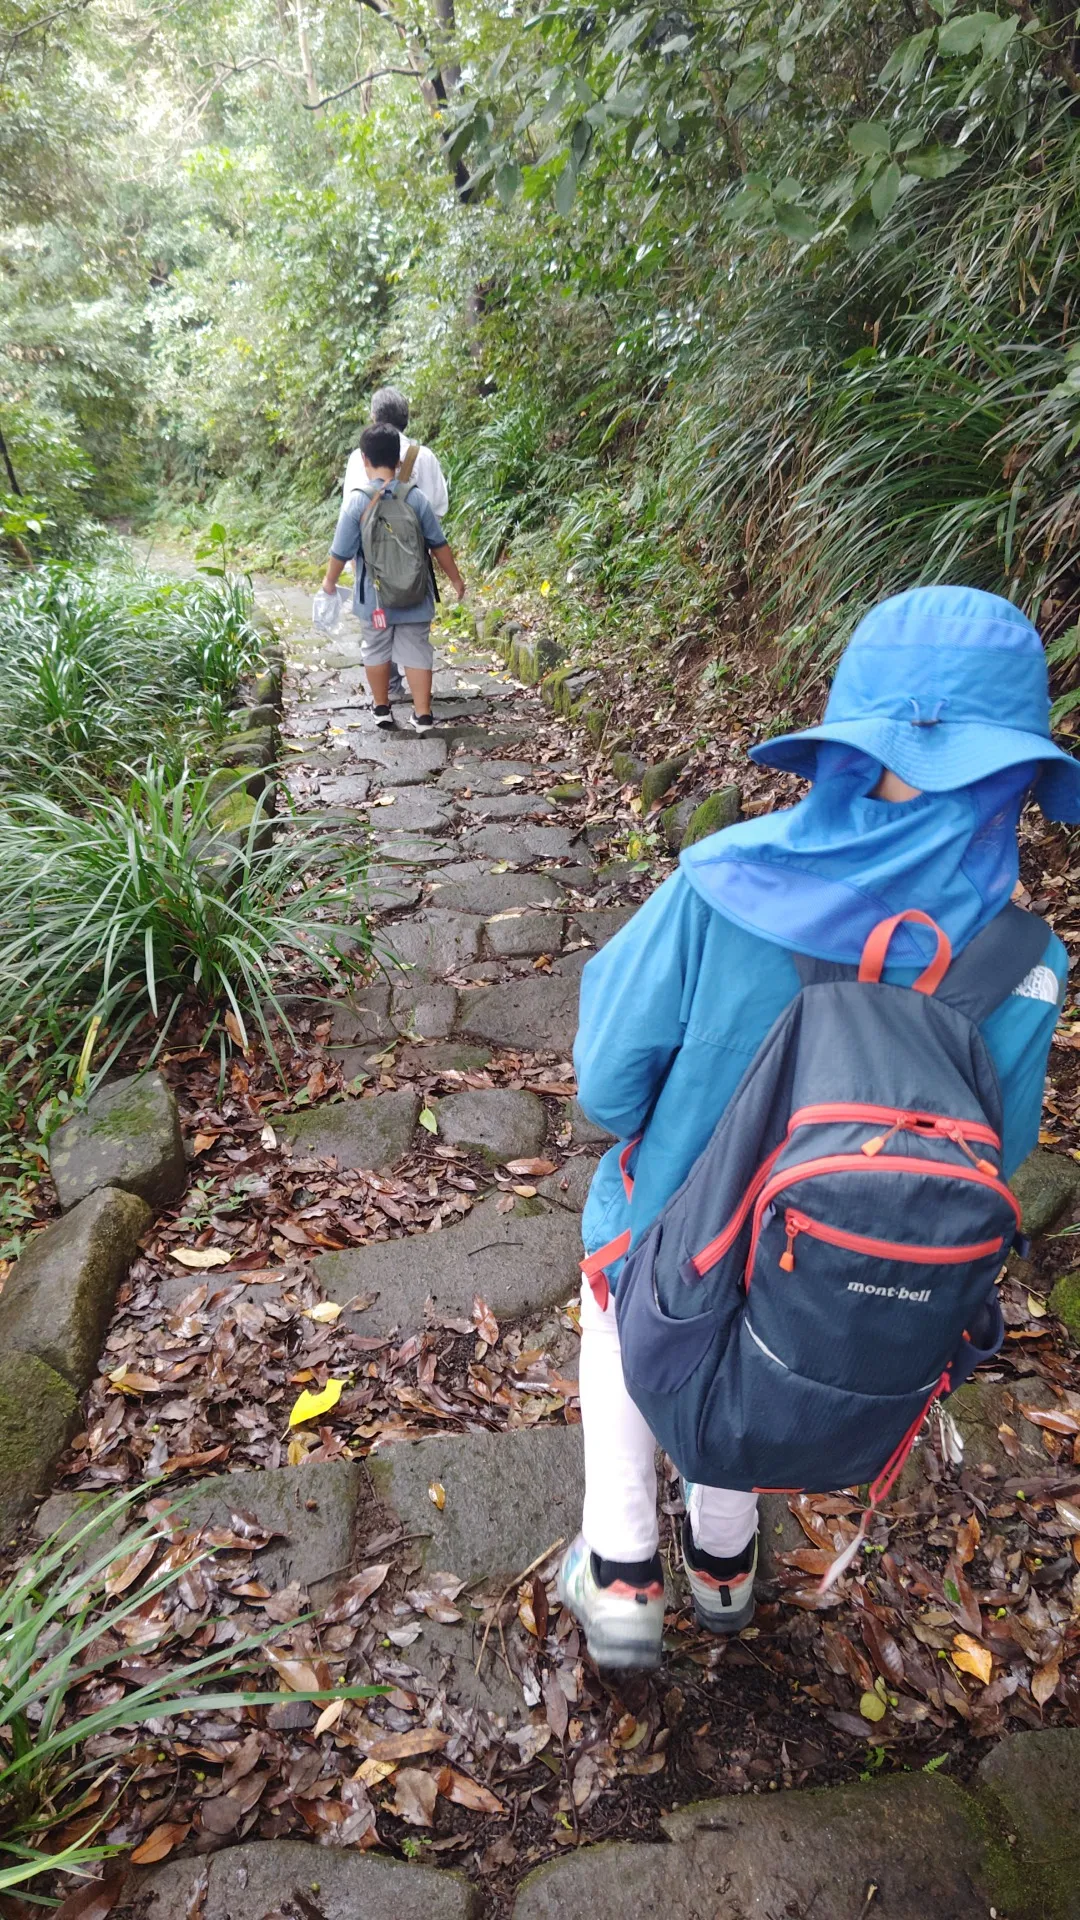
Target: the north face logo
<point x="889" y="1293"/>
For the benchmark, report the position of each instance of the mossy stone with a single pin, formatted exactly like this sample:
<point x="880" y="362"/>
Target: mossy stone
<point x="38" y="1414"/>
<point x="721" y="809"/>
<point x="225" y="782"/>
<point x="255" y="748"/>
<point x="58" y="1298"/>
<point x="128" y="1137"/>
<point x="1065" y="1302"/>
<point x="657" y="780"/>
<point x="1046" y="1185"/>
<point x="674" y="822"/>
<point x="567" y="790"/>
<point x="251" y="719"/>
<point x="627" y="768"/>
<point x="268" y="687"/>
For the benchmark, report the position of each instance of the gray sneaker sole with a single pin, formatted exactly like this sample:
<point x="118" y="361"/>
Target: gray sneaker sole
<point x="726" y="1621"/>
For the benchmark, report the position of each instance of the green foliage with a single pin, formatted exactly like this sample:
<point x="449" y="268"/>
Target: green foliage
<point x="92" y="662"/>
<point x="84" y="1605"/>
<point x="122" y="904"/>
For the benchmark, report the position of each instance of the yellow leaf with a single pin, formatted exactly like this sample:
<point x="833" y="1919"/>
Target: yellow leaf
<point x="972" y="1657"/>
<point x="310" y="1405"/>
<point x="513" y="779"/>
<point x="872" y="1707"/>
<point x="527" y="1193"/>
<point x="636" y="805"/>
<point x="201" y="1258"/>
<point x="428" y="1120"/>
<point x="202" y="1141"/>
<point x="325" y="1313"/>
<point x="1036" y="1307"/>
<point x="545" y="588"/>
<point x="436" y="1493"/>
<point x="298" y="1452"/>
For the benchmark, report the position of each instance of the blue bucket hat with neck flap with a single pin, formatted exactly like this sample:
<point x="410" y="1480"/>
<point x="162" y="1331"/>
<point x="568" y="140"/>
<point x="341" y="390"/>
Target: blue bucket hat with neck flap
<point x="947" y="687"/>
<point x="943" y="685"/>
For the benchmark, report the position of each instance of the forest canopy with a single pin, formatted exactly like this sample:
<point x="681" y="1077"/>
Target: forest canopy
<point x="777" y="299"/>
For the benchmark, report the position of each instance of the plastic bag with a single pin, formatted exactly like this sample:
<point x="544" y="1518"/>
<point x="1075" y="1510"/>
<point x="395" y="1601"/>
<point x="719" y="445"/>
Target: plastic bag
<point x="326" y="612"/>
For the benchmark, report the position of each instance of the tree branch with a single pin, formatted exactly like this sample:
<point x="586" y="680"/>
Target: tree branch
<point x="377" y="73"/>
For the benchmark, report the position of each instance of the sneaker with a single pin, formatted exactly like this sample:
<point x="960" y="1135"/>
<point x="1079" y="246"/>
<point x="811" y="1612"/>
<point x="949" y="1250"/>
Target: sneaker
<point x="623" y="1621"/>
<point x="722" y="1590"/>
<point x="384" y="719"/>
<point x="422" y="722"/>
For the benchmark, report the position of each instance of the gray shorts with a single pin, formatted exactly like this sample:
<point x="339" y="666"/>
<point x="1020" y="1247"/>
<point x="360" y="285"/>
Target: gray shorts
<point x="408" y="644"/>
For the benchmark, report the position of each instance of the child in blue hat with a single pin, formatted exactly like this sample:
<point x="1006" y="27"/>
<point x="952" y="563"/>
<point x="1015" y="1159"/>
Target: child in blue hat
<point x="935" y="735"/>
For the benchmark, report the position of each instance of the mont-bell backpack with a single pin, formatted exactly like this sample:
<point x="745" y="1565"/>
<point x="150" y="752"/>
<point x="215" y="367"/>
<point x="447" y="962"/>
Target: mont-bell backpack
<point x="392" y="540"/>
<point x="826" y="1270"/>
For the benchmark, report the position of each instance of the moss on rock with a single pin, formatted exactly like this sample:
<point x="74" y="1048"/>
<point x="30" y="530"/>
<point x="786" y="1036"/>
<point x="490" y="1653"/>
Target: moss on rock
<point x="627" y="768"/>
<point x="1065" y="1302"/>
<point x="721" y="809"/>
<point x="656" y="781"/>
<point x="1046" y="1185"/>
<point x="38" y="1412"/>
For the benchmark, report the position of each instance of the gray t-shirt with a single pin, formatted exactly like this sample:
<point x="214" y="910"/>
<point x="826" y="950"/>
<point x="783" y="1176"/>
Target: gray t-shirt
<point x="346" y="546"/>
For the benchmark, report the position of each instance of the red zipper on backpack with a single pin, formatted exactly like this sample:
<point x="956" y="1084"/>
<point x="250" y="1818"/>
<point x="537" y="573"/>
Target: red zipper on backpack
<point x="856" y="1163"/>
<point x="897" y="1120"/>
<point x="796" y="1223"/>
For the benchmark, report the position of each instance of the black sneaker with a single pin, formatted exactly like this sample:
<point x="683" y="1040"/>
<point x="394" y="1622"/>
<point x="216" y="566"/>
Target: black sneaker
<point x="384" y="719"/>
<point x="423" y="722"/>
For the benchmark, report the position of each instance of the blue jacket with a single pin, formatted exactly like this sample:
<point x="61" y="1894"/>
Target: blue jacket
<point x="673" y="1010"/>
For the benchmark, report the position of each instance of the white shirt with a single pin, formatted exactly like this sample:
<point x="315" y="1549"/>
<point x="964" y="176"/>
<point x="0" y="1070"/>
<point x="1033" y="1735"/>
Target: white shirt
<point x="426" y="474"/>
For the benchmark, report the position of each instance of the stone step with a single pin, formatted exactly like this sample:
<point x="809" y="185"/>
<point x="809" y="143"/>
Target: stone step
<point x="538" y="1015"/>
<point x="310" y="1509"/>
<point x="520" y="1263"/>
<point x="274" y="1877"/>
<point x="509" y="1497"/>
<point x="470" y="886"/>
<point x="369" y="1133"/>
<point x="918" y="1840"/>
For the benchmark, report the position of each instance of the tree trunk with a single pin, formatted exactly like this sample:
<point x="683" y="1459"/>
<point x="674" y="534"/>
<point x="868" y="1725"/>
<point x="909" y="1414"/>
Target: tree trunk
<point x="304" y="45"/>
<point x="447" y="23"/>
<point x="6" y="457"/>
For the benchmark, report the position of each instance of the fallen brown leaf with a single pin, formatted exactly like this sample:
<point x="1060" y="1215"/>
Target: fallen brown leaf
<point x="160" y="1843"/>
<point x="415" y="1797"/>
<point x="468" y="1793"/>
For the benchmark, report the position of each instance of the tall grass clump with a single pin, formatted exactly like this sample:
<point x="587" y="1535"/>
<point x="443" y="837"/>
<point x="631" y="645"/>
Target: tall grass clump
<point x="120" y="905"/>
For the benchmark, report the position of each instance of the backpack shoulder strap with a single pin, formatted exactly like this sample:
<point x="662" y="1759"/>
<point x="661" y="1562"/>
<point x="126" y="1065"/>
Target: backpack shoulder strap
<point x="980" y="977"/>
<point x="994" y="963"/>
<point x="820" y="973"/>
<point x="405" y="471"/>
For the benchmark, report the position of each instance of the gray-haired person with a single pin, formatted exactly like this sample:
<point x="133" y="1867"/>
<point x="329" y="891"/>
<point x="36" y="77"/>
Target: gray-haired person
<point x="389" y="408"/>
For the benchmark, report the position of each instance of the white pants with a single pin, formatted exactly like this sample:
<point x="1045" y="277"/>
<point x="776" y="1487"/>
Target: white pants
<point x="619" y="1522"/>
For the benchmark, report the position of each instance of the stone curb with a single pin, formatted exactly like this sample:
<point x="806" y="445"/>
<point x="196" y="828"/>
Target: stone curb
<point x="1009" y="1844"/>
<point x="245" y="759"/>
<point x="576" y="692"/>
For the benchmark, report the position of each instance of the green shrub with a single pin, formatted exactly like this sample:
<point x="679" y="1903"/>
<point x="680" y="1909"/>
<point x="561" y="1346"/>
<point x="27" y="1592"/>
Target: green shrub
<point x="120" y="905"/>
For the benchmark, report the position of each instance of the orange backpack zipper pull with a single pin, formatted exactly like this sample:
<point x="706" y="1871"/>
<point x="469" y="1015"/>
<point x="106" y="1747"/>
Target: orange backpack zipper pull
<point x="787" y="1258"/>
